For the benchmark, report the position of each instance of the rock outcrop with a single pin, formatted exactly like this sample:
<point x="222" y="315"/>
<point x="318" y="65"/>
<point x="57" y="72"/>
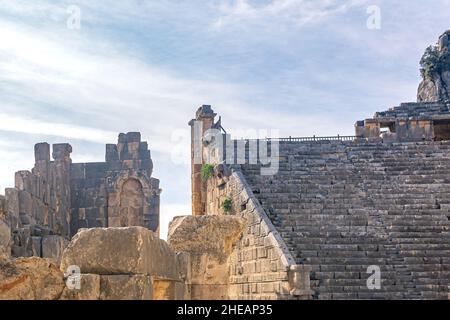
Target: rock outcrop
<point x="435" y="89"/>
<point x="435" y="69"/>
<point x="209" y="241"/>
<point x="30" y="279"/>
<point x="213" y="235"/>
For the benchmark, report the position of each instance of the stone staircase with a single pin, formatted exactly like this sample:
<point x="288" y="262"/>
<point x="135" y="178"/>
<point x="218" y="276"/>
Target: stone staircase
<point x="344" y="206"/>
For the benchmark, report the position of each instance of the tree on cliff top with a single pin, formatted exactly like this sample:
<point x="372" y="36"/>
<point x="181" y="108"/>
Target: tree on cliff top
<point x="434" y="62"/>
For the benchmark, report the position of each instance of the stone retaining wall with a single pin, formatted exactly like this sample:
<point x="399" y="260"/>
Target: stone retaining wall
<point x="261" y="266"/>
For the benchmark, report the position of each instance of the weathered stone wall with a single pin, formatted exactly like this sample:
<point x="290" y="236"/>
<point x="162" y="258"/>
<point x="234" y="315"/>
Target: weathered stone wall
<point x="261" y="266"/>
<point x="240" y="255"/>
<point x="5" y="232"/>
<point x="5" y="240"/>
<point x="50" y="203"/>
<point x="38" y="208"/>
<point x="2" y="207"/>
<point x="119" y="192"/>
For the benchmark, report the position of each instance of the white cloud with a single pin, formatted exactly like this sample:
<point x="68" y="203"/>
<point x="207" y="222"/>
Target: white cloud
<point x="297" y="12"/>
<point x="33" y="126"/>
<point x="107" y="92"/>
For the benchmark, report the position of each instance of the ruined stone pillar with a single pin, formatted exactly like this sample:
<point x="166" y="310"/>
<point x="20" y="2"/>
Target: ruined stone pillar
<point x="41" y="169"/>
<point x="204" y="120"/>
<point x="60" y="198"/>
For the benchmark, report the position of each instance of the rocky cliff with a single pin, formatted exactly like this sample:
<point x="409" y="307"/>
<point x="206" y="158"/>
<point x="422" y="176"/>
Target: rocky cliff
<point x="435" y="70"/>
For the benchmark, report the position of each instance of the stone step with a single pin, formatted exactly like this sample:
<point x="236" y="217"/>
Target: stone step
<point x="341" y="207"/>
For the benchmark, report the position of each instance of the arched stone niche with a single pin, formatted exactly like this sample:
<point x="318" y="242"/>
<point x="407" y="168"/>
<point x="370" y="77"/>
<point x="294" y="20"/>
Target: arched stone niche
<point x="133" y="200"/>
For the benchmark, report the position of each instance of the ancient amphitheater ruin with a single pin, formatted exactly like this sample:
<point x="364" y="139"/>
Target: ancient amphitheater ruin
<point x="360" y="217"/>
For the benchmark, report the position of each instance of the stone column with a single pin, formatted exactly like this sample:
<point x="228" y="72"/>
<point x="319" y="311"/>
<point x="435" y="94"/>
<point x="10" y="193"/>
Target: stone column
<point x="204" y="120"/>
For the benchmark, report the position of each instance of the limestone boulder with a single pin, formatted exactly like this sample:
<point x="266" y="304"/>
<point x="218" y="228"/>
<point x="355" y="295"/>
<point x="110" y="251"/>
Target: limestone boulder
<point x="120" y="251"/>
<point x="209" y="241"/>
<point x="30" y="279"/>
<point x="5" y="239"/>
<point x="212" y="235"/>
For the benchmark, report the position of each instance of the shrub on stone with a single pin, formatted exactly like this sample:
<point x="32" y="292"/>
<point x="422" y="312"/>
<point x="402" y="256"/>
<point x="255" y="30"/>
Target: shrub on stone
<point x="207" y="171"/>
<point x="226" y="205"/>
<point x="434" y="62"/>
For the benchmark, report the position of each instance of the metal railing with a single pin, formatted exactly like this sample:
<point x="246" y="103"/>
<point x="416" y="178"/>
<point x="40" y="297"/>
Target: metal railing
<point x="313" y="139"/>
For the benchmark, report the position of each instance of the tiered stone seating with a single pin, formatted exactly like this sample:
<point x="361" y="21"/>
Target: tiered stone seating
<point x="405" y="110"/>
<point x="344" y="206"/>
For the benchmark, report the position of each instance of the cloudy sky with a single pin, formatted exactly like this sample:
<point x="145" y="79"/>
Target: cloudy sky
<point x="301" y="66"/>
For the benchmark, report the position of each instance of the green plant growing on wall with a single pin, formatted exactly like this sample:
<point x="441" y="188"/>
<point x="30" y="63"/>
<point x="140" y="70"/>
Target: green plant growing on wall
<point x="226" y="205"/>
<point x="207" y="171"/>
<point x="434" y="62"/>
